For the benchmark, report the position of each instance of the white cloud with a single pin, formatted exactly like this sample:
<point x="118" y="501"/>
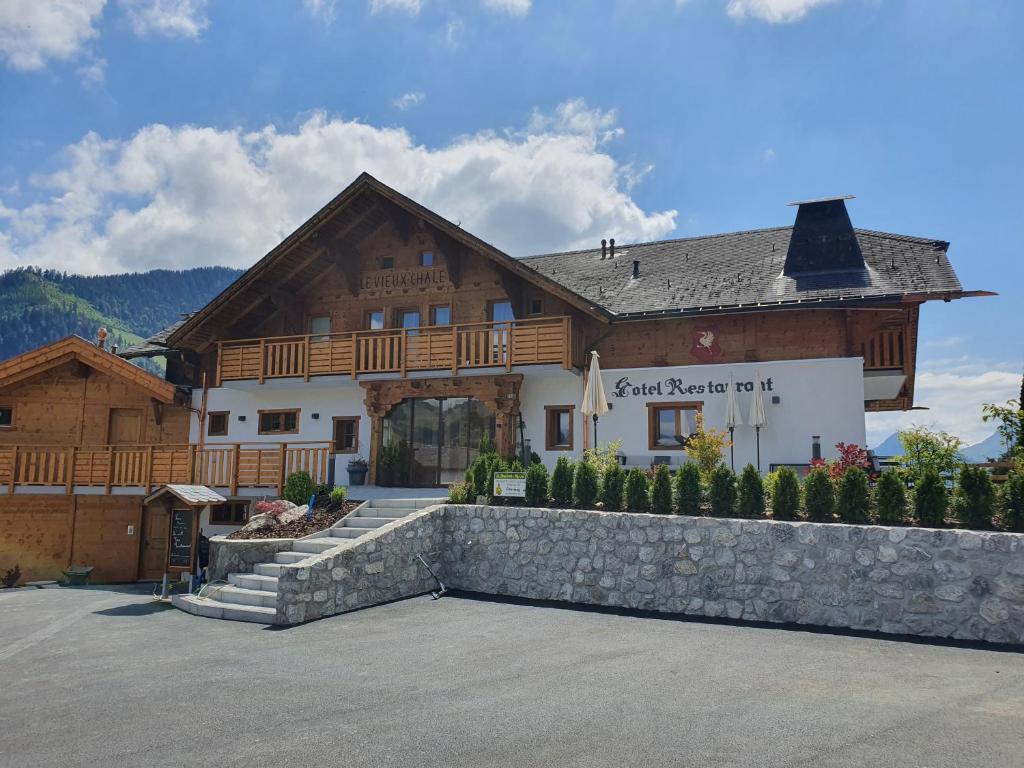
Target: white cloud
<point x="170" y="18"/>
<point x="408" y="100"/>
<point x="320" y="9"/>
<point x="946" y="342"/>
<point x="410" y="7"/>
<point x="773" y="11"/>
<point x="768" y="155"/>
<point x="93" y="73"/>
<point x="511" y="7"/>
<point x="33" y="32"/>
<point x="187" y="196"/>
<point x="453" y="32"/>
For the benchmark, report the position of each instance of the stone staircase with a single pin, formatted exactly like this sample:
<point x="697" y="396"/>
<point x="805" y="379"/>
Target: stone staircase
<point x="253" y="596"/>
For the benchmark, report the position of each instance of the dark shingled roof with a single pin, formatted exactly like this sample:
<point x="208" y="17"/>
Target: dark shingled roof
<point x="743" y="270"/>
<point x="155" y="345"/>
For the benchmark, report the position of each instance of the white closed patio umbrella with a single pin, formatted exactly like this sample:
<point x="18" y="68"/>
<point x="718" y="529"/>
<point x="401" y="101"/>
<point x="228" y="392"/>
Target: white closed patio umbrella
<point x="733" y="419"/>
<point x="758" y="418"/>
<point x="595" y="403"/>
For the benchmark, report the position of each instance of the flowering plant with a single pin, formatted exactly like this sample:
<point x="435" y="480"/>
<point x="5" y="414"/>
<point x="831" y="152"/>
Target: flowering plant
<point x="273" y="508"/>
<point x="850" y="455"/>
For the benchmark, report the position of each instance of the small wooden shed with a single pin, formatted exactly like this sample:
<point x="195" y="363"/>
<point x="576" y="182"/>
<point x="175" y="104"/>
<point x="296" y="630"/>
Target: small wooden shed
<point x="173" y="510"/>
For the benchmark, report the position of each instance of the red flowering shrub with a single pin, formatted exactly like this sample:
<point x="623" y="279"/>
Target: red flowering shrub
<point x="273" y="508"/>
<point x="850" y="455"/>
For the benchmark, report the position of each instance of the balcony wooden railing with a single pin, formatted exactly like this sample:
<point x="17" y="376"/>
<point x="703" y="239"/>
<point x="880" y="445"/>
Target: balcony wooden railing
<point x="399" y="350"/>
<point x="227" y="466"/>
<point x="884" y="350"/>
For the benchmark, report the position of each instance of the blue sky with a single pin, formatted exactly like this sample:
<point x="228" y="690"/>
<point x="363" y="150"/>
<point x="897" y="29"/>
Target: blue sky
<point x="145" y="133"/>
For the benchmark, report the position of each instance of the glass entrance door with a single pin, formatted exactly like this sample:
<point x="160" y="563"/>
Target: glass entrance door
<point x="432" y="441"/>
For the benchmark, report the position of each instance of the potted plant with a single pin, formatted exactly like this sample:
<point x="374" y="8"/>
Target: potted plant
<point x="357" y="470"/>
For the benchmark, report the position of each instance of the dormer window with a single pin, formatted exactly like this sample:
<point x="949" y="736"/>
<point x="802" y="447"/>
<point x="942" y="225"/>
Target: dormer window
<point x="387" y="262"/>
<point x="426" y="258"/>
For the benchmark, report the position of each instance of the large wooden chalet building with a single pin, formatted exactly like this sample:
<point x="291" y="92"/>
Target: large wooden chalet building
<point x="380" y="330"/>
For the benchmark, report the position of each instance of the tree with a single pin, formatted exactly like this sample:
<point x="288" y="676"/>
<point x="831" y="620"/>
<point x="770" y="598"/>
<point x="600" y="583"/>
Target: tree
<point x="890" y="499"/>
<point x="688" y="490"/>
<point x="584" y="489"/>
<point x="924" y="449"/>
<point x="819" y="496"/>
<point x="612" y="482"/>
<point x="852" y="496"/>
<point x="751" y="489"/>
<point x="1011" y="424"/>
<point x="635" y="496"/>
<point x="786" y="495"/>
<point x="930" y="500"/>
<point x="537" y="485"/>
<point x="974" y="498"/>
<point x="561" y="482"/>
<point x="707" y="446"/>
<point x="1012" y="502"/>
<point x="722" y="491"/>
<point x="661" y="491"/>
<point x="850" y="455"/>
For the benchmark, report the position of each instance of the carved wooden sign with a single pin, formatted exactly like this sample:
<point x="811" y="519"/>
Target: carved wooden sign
<point x="389" y="280"/>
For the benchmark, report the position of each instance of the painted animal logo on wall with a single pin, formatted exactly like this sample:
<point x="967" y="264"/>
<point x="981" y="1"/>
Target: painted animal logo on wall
<point x="705" y="344"/>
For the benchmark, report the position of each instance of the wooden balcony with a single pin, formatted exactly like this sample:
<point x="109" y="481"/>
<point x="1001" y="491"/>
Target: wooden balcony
<point x="225" y="466"/>
<point x="449" y="348"/>
<point x="884" y="351"/>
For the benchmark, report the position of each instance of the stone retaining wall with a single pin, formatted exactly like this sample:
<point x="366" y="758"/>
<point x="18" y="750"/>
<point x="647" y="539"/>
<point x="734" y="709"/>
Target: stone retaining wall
<point x="240" y="555"/>
<point x="942" y="583"/>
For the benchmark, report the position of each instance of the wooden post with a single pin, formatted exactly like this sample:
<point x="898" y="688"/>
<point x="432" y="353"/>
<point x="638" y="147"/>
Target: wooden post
<point x="403" y="350"/>
<point x="455" y="350"/>
<point x="220" y="361"/>
<point x="69" y="477"/>
<point x="110" y="468"/>
<point x="566" y="346"/>
<point x="191" y="464"/>
<point x="355" y="355"/>
<point x="263" y="360"/>
<point x="305" y="357"/>
<point x="149" y="469"/>
<point x="236" y="453"/>
<point x="282" y="475"/>
<point x="14" y="469"/>
<point x="508" y="349"/>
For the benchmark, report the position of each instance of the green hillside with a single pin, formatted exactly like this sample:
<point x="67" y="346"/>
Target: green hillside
<point x="40" y="306"/>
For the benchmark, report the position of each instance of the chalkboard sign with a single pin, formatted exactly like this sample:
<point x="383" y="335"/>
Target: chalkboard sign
<point x="182" y="535"/>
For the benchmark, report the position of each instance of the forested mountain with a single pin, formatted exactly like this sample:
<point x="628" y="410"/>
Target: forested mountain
<point x="39" y="306"/>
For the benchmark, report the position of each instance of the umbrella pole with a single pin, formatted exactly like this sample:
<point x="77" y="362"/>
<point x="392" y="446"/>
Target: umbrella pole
<point x="757" y="431"/>
<point x="595" y="431"/>
<point x="732" y="447"/>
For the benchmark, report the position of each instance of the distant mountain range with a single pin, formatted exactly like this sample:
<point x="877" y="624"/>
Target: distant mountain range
<point x="989" y="448"/>
<point x="39" y="306"/>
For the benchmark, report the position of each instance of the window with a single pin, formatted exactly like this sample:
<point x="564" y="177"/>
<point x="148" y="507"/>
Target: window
<point x="387" y="262"/>
<point x="375" y="319"/>
<point x="320" y="327"/>
<point x="501" y="311"/>
<point x="669" y="425"/>
<point x="6" y="416"/>
<point x="535" y="305"/>
<point x="441" y="315"/>
<point x="279" y="422"/>
<point x="426" y="258"/>
<point x="408" y="318"/>
<point x="232" y="513"/>
<point x="558" y="431"/>
<point x="217" y="426"/>
<point x="346" y="434"/>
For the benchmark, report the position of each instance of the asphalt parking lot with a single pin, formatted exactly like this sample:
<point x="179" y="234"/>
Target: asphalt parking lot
<point x="101" y="677"/>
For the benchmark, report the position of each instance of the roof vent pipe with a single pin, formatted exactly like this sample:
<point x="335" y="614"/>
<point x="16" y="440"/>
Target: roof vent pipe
<point x="636" y="270"/>
<point x="611" y="248"/>
<point x="604" y="249"/>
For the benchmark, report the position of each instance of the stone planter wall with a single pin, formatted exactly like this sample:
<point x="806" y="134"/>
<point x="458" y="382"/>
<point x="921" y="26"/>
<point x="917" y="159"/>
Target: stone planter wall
<point x="941" y="583"/>
<point x="240" y="555"/>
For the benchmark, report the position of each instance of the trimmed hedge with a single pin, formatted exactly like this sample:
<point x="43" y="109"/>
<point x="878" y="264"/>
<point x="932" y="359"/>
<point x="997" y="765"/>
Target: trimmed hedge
<point x="974" y="502"/>
<point x="786" y="495"/>
<point x="537" y="485"/>
<point x="612" y="485"/>
<point x="890" y="499"/>
<point x="722" y="491"/>
<point x="298" y="487"/>
<point x="584" y="487"/>
<point x="661" y="491"/>
<point x="1012" y="500"/>
<point x="751" y="491"/>
<point x="687" y="491"/>
<point x="852" y="496"/>
<point x="819" y="496"/>
<point x="635" y="495"/>
<point x="561" y="482"/>
<point x="930" y="500"/>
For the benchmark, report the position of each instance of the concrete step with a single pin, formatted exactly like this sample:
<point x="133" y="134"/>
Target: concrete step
<point x="364" y="522"/>
<point x="392" y="513"/>
<point x="255" y="581"/>
<point x="405" y="503"/>
<point x="290" y="557"/>
<point x="317" y="545"/>
<point x="349" y="533"/>
<point x="267" y="569"/>
<point x="240" y="596"/>
<point x="218" y="609"/>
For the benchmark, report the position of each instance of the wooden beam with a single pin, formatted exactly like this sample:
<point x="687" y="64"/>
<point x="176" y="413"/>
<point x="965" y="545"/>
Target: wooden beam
<point x="158" y="411"/>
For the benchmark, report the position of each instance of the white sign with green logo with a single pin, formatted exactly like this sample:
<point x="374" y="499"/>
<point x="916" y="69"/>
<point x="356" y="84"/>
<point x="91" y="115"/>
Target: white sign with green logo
<point x="512" y="484"/>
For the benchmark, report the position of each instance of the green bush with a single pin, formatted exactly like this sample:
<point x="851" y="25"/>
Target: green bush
<point x="612" y="484"/>
<point x="496" y="464"/>
<point x="751" y="489"/>
<point x="852" y="496"/>
<point x="661" y="491"/>
<point x="722" y="491"/>
<point x="561" y="482"/>
<point x="481" y="473"/>
<point x="819" y="496"/>
<point x="461" y="493"/>
<point x="635" y="496"/>
<point x="584" y="486"/>
<point x="974" y="500"/>
<point x="1012" y="502"/>
<point x="537" y="485"/>
<point x="785" y="495"/>
<point x="688" y="489"/>
<point x="890" y="499"/>
<point x="298" y="487"/>
<point x="930" y="500"/>
<point x="338" y="494"/>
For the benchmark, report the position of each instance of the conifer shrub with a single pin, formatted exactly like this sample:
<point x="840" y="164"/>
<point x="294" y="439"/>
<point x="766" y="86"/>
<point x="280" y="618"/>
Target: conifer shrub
<point x="496" y="464"/>
<point x="1012" y="501"/>
<point x="930" y="500"/>
<point x="298" y="487"/>
<point x="974" y="500"/>
<point x="785" y="495"/>
<point x="852" y="496"/>
<point x="612" y="484"/>
<point x="688" y="489"/>
<point x="890" y="499"/>
<point x="661" y="491"/>
<point x="537" y="485"/>
<point x="819" y="496"/>
<point x="751" y="491"/>
<point x="561" y="482"/>
<point x="635" y="496"/>
<point x="460" y="493"/>
<point x="722" y="491"/>
<point x="584" y="487"/>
